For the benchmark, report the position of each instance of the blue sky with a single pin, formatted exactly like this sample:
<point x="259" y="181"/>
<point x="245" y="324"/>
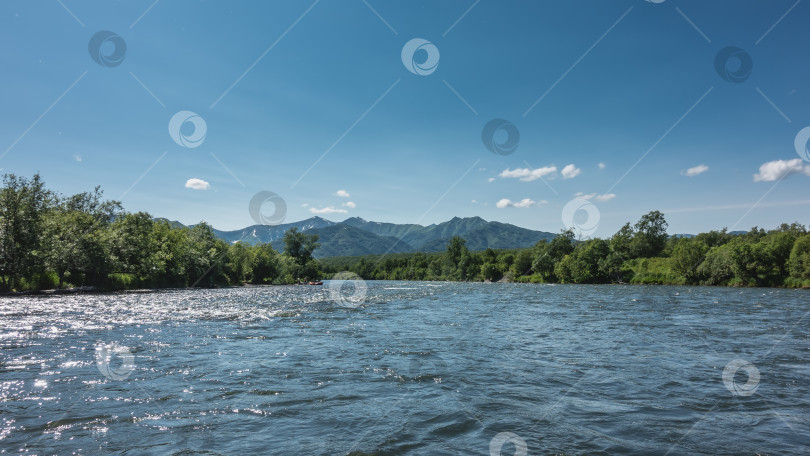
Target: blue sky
<point x="304" y="99"/>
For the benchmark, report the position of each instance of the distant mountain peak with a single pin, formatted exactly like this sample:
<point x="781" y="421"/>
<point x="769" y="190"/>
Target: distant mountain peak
<point x="357" y="236"/>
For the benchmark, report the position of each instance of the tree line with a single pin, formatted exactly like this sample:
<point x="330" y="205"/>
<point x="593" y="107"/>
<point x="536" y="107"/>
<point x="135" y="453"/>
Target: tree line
<point x="642" y="253"/>
<point x="48" y="240"/>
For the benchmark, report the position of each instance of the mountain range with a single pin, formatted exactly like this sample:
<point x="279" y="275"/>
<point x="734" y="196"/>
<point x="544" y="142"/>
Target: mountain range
<point x="355" y="236"/>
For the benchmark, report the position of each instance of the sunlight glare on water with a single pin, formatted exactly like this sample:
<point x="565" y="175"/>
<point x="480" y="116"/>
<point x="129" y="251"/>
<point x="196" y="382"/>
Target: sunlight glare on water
<point x="425" y="368"/>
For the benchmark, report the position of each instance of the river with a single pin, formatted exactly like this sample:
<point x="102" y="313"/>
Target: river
<point x="408" y="368"/>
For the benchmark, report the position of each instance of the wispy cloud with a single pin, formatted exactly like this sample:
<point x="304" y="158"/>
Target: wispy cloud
<point x="595" y="196"/>
<point x="525" y="202"/>
<point x="328" y="210"/>
<point x="602" y="166"/>
<point x="779" y="169"/>
<point x="350" y="204"/>
<point x="527" y="174"/>
<point x="695" y="170"/>
<point x="570" y="171"/>
<point x="197" y="184"/>
<point x="343" y="194"/>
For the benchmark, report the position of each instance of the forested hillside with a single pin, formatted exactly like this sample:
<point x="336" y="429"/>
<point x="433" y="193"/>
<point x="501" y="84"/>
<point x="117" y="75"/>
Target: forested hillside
<point x="640" y="253"/>
<point x="48" y="240"/>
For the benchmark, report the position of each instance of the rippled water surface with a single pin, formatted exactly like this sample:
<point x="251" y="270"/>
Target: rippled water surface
<point x="416" y="368"/>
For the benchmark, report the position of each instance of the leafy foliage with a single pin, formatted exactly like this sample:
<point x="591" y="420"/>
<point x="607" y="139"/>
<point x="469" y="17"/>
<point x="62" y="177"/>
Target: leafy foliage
<point x="640" y="253"/>
<point x="51" y="240"/>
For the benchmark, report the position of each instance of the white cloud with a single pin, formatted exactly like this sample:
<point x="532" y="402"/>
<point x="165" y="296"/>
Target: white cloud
<point x="328" y="210"/>
<point x="779" y="169"/>
<point x="350" y="204"/>
<point x="570" y="171"/>
<point x="474" y="202"/>
<point x="305" y="205"/>
<point x="491" y="179"/>
<point x="197" y="184"/>
<point x="695" y="170"/>
<point x="526" y="174"/>
<point x="602" y="166"/>
<point x="525" y="202"/>
<point x="343" y="194"/>
<point x="589" y="196"/>
<point x="77" y="157"/>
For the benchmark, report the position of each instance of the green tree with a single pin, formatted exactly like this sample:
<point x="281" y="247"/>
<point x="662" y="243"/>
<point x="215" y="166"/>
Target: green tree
<point x="775" y="249"/>
<point x="714" y="238"/>
<point x="23" y="204"/>
<point x="71" y="245"/>
<point x="133" y="248"/>
<point x="240" y="263"/>
<point x="650" y="236"/>
<point x="621" y="243"/>
<point x="612" y="266"/>
<point x="687" y="256"/>
<point x="548" y="254"/>
<point x="718" y="266"/>
<point x="523" y="263"/>
<point x="582" y="266"/>
<point x="74" y="237"/>
<point x="299" y="246"/>
<point x="266" y="265"/>
<point x="456" y="248"/>
<point x="172" y="254"/>
<point x="204" y="256"/>
<point x="799" y="261"/>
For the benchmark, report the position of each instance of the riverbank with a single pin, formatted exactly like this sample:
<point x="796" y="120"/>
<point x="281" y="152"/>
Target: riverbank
<point x="520" y="280"/>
